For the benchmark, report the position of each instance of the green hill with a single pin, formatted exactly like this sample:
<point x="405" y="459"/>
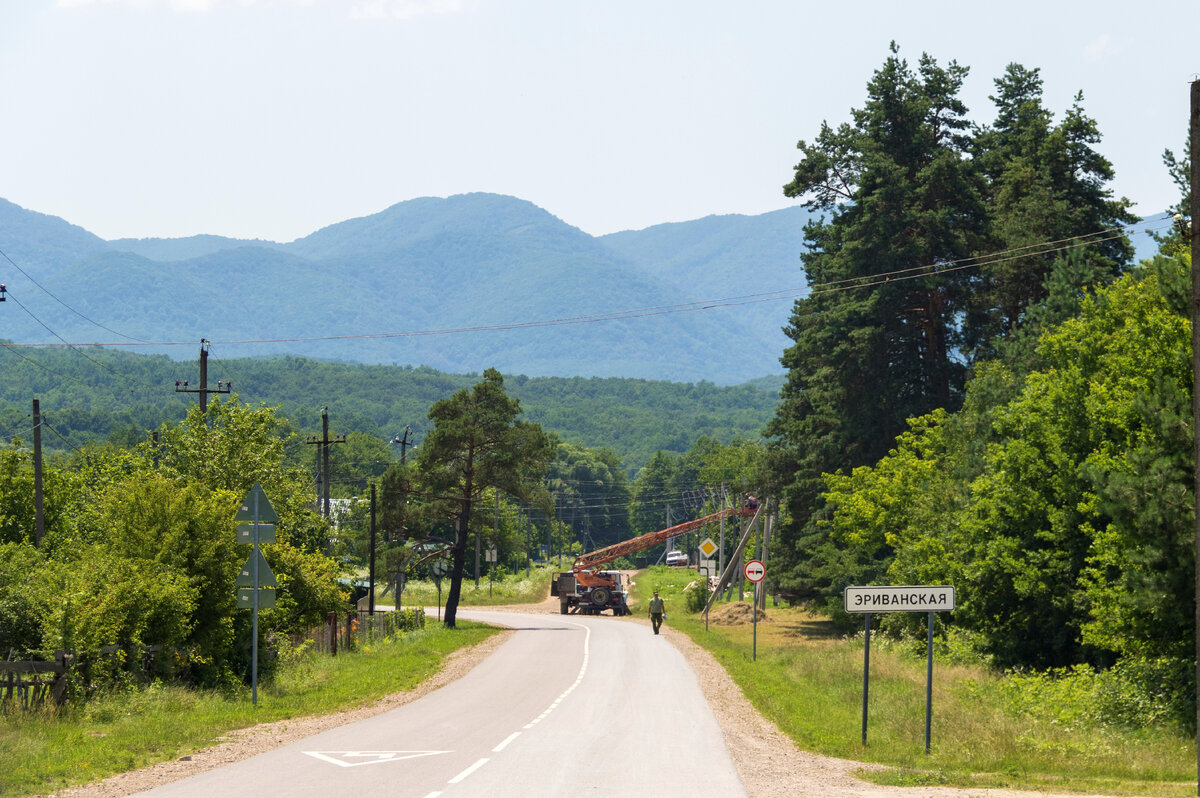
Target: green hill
<point x="95" y="393"/>
<point x="459" y="284"/>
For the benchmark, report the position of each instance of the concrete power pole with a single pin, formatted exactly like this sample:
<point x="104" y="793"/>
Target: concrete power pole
<point x="39" y="510"/>
<point x="324" y="442"/>
<point x="203" y="390"/>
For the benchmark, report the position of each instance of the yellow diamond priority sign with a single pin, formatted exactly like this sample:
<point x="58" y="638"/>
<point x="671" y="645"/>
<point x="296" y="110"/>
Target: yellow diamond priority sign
<point x="708" y="548"/>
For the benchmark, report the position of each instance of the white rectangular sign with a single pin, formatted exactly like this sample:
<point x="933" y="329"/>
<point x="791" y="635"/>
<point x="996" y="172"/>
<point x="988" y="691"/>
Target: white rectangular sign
<point x="912" y="598"/>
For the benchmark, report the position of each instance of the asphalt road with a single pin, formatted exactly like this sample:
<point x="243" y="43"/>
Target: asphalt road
<point x="568" y="706"/>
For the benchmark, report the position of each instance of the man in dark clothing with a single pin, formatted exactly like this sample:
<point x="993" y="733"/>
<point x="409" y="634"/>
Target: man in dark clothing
<point x="657" y="612"/>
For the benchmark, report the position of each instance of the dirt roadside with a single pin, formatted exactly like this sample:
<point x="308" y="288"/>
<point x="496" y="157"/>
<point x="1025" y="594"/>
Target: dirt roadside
<point x="770" y="765"/>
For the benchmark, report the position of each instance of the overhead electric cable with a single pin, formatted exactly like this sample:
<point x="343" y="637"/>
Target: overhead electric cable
<point x="74" y="347"/>
<point x="64" y="304"/>
<point x="46" y="424"/>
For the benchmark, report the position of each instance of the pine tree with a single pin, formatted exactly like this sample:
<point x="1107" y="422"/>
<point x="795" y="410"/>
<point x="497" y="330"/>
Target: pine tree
<point x="874" y="343"/>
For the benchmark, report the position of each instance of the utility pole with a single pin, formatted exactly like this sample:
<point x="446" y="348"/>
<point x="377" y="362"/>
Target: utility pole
<point x="203" y="390"/>
<point x="371" y="586"/>
<point x="39" y="510"/>
<point x="1190" y="231"/>
<point x="404" y="442"/>
<point x="721" y="550"/>
<point x="324" y="442"/>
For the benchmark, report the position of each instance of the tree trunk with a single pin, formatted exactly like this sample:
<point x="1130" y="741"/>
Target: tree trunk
<point x="458" y="565"/>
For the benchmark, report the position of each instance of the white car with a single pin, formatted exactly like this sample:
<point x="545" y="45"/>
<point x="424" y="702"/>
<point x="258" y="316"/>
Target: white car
<point x="677" y="558"/>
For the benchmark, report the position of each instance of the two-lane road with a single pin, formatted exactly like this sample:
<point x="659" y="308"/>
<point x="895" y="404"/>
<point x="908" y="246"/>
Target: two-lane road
<point x="568" y="706"/>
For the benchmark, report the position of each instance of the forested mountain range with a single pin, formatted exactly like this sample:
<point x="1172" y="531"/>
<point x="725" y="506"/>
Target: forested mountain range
<point x="96" y="394"/>
<point x="373" y="289"/>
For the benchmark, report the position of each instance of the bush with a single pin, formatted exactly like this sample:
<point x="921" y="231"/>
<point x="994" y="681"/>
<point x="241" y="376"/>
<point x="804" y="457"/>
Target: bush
<point x="695" y="596"/>
<point x="1134" y="693"/>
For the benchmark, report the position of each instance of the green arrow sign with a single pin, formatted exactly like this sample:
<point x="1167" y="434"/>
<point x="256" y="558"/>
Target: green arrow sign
<point x="266" y="513"/>
<point x="246" y="533"/>
<point x="246" y="577"/>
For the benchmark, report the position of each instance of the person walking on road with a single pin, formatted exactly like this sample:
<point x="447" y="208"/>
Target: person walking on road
<point x="657" y="612"/>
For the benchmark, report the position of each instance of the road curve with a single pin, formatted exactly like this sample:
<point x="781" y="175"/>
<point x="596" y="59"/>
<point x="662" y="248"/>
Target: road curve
<point x="567" y="706"/>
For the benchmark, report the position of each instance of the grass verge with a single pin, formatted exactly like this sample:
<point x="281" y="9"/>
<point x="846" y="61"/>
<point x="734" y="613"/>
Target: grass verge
<point x="515" y="588"/>
<point x="808" y="680"/>
<point x="46" y="751"/>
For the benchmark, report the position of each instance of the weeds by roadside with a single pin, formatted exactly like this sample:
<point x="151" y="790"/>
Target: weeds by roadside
<point x="45" y="750"/>
<point x="1066" y="732"/>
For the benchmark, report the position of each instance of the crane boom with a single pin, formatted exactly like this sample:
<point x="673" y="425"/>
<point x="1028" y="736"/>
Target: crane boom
<point x="599" y="557"/>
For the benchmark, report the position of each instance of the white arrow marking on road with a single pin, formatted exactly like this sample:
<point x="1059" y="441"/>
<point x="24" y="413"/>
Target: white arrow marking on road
<point x="341" y="758"/>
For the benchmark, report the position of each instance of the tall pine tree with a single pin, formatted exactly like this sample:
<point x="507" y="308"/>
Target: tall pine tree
<point x="875" y="342"/>
<point x="902" y="303"/>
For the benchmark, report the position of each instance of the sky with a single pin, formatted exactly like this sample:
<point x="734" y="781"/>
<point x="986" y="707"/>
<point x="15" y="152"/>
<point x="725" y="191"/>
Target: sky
<point x="274" y="118"/>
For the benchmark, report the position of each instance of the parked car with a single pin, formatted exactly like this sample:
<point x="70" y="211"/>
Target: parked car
<point x="677" y="558"/>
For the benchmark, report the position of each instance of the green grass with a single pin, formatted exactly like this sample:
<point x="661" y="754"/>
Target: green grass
<point x="46" y="751"/>
<point x="514" y="588"/>
<point x="808" y="680"/>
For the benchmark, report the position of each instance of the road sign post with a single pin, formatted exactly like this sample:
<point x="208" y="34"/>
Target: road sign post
<point x="257" y="510"/>
<point x="439" y="569"/>
<point x="912" y="598"/>
<point x="755" y="572"/>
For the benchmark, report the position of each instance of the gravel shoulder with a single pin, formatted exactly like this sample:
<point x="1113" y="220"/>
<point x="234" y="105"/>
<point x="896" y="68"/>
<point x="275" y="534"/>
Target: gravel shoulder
<point x="768" y="762"/>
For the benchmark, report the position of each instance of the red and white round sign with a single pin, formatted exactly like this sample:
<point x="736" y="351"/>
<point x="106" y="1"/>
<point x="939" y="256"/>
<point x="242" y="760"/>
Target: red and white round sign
<point x="755" y="571"/>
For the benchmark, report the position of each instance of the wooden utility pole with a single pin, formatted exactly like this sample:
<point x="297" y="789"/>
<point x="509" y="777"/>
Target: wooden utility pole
<point x="203" y="390"/>
<point x="324" y="442"/>
<point x="404" y="442"/>
<point x="39" y="510"/>
<point x="1191" y="232"/>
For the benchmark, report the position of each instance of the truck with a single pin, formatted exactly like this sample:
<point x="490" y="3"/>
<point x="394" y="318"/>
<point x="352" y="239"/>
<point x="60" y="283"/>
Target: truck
<point x="588" y="590"/>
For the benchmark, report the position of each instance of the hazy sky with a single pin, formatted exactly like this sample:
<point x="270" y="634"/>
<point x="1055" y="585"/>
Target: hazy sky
<point x="274" y="118"/>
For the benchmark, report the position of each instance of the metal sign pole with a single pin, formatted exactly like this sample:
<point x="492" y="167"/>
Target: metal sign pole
<point x="754" y="614"/>
<point x="929" y="683"/>
<point x="866" y="672"/>
<point x="899" y="598"/>
<point x="254" y="617"/>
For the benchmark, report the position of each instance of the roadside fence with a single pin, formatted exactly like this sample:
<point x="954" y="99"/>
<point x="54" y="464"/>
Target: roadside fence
<point x="357" y="628"/>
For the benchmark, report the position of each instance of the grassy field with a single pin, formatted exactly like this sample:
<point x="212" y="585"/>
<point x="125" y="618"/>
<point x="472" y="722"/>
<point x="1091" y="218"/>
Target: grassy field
<point x="45" y="751"/>
<point x="516" y="588"/>
<point x="808" y="680"/>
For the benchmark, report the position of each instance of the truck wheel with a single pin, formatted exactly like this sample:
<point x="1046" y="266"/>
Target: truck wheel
<point x="563" y="607"/>
<point x="600" y="596"/>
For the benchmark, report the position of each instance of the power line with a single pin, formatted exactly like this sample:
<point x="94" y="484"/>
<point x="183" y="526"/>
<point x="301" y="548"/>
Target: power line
<point x="74" y="347"/>
<point x="64" y="304"/>
<point x="46" y="424"/>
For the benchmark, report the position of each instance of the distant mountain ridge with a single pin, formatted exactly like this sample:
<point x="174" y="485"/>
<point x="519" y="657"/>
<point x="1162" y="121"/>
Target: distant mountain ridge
<point x="460" y="284"/>
<point x="415" y="283"/>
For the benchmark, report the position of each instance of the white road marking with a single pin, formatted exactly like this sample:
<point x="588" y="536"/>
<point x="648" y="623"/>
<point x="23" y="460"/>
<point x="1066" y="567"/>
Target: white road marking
<point x="468" y="771"/>
<point x="582" y="671"/>
<point x="507" y="740"/>
<point x="341" y="758"/>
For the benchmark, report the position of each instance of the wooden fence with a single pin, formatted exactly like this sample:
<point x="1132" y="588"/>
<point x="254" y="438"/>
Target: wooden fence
<point x="345" y="632"/>
<point x="27" y="684"/>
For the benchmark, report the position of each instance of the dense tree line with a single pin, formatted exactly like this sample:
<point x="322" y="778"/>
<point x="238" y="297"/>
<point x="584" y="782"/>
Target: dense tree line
<point x="980" y="391"/>
<point x="94" y="394"/>
<point x="140" y="546"/>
